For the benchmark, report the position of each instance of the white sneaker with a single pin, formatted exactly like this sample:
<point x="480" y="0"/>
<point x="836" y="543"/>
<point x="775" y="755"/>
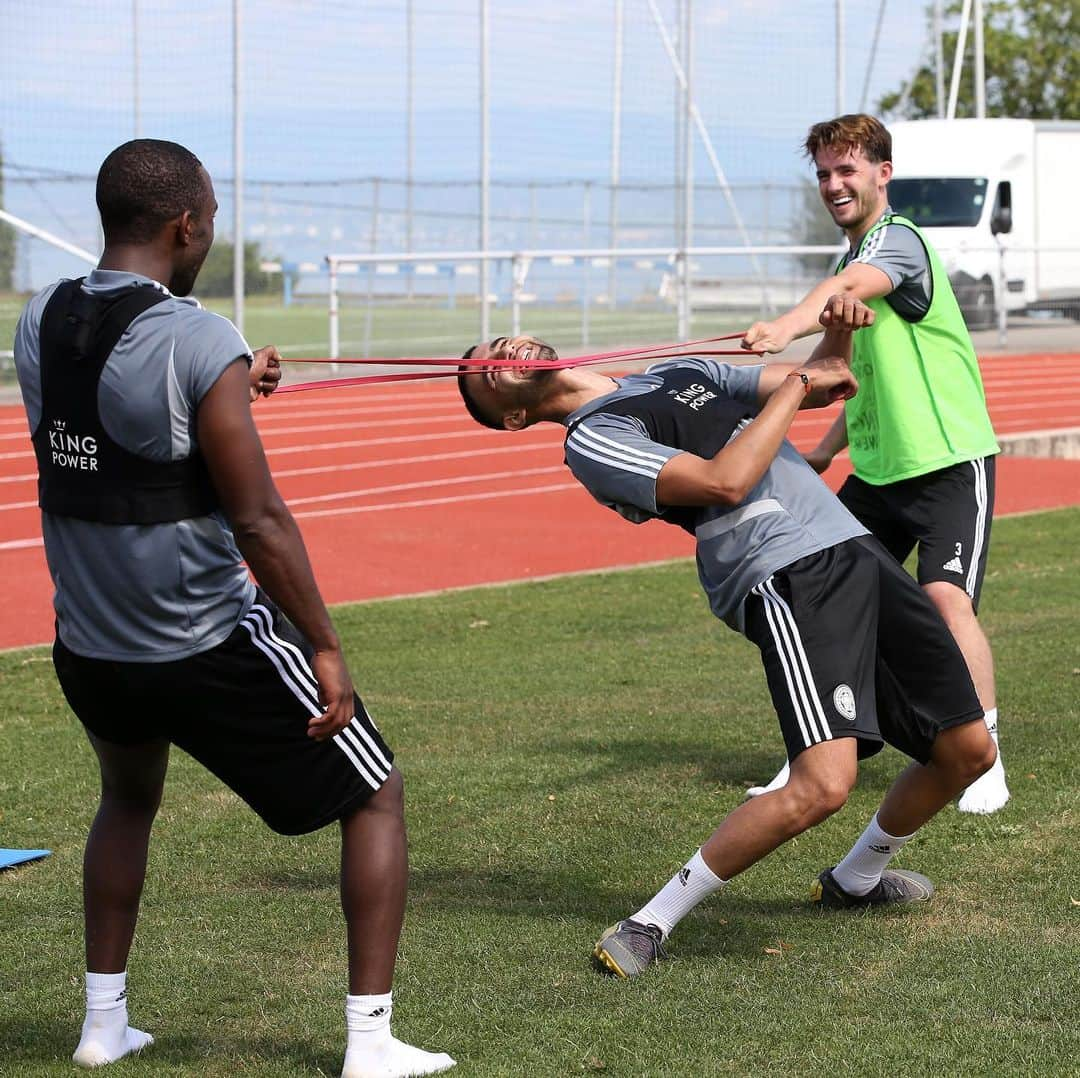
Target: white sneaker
<point x="394" y="1059"/>
<point x="987" y="793"/>
<point x="779" y="780"/>
<point x="100" y="1046"/>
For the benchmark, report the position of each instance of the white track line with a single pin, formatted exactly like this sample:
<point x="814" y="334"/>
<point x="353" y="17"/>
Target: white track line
<point x="365" y="492"/>
<point x="435" y="501"/>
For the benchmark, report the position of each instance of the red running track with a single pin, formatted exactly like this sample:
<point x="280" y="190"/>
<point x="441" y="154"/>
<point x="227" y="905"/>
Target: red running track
<point x="398" y="491"/>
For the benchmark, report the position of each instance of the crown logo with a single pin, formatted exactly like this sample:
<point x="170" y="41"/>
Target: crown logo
<point x="60" y="424"/>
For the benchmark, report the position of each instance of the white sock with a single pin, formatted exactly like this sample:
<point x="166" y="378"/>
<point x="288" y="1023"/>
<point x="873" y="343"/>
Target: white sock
<point x="859" y="872"/>
<point x="778" y="780"/>
<point x="373" y="1052"/>
<point x="693" y="882"/>
<point x="988" y="792"/>
<point x="106" y="1035"/>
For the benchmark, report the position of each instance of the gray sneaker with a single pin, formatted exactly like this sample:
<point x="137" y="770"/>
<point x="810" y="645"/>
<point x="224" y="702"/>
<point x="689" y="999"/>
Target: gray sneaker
<point x="628" y="948"/>
<point x="897" y="885"/>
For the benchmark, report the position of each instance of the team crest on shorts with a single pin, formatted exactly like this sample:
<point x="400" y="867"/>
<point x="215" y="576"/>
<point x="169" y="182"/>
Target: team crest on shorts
<point x="844" y="700"/>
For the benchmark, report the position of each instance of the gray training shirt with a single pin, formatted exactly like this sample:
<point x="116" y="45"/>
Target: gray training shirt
<point x="789" y="514"/>
<point x="132" y="592"/>
<point x="899" y="254"/>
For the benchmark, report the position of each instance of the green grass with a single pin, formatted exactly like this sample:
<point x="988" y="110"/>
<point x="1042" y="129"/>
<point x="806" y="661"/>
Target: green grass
<point x="565" y="746"/>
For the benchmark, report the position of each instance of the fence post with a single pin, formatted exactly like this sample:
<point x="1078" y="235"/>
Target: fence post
<point x="334" y="337"/>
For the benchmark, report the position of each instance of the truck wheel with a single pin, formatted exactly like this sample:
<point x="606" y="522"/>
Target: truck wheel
<point x="977" y="305"/>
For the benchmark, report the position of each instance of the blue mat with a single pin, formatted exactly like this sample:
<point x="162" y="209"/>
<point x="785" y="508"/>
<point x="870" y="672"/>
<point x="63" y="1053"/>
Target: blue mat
<point x="17" y="857"/>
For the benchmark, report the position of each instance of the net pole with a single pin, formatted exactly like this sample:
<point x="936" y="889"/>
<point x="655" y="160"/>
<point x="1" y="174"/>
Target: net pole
<point x="368" y="312"/>
<point x="335" y="329"/>
<point x="958" y="61"/>
<point x="238" y="169"/>
<point x="616" y="145"/>
<point x="485" y="172"/>
<point x="688" y="173"/>
<point x="980" y="63"/>
<point x="410" y="147"/>
<point x="135" y="95"/>
<point x="586" y="226"/>
<point x="939" y="59"/>
<point x="840" y="45"/>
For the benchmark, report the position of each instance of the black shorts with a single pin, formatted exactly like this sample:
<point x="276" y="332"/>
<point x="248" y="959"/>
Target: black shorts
<point x="241" y="709"/>
<point x="852" y="647"/>
<point x="947" y="512"/>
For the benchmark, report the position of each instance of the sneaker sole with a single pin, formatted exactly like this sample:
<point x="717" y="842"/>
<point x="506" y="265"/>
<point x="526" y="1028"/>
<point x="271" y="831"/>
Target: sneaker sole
<point x="817" y="894"/>
<point x="606" y="964"/>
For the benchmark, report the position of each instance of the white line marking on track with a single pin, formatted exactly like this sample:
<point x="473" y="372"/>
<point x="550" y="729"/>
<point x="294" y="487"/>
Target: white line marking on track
<point x="436" y="501"/>
<point x="479" y="477"/>
<point x="393" y="462"/>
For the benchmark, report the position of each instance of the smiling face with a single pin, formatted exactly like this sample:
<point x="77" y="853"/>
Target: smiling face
<point x="852" y="187"/>
<point x="503" y="398"/>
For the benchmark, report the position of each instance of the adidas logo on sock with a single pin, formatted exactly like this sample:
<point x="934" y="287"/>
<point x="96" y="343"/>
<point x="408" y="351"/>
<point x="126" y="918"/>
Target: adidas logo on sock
<point x="953" y="565"/>
<point x="684" y="875"/>
<point x="377" y="1013"/>
<point x="879" y="848"/>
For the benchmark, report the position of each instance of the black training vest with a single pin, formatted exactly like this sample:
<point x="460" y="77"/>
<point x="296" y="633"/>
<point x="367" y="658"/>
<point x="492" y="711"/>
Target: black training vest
<point x="689" y="411"/>
<point x="82" y="472"/>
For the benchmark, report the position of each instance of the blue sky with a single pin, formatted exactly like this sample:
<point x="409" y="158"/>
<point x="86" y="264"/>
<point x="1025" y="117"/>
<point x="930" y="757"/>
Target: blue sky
<point x="325" y="96"/>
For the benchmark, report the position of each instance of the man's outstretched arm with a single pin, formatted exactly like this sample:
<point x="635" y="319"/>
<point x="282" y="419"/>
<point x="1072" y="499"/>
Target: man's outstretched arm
<point x="732" y="473"/>
<point x="857" y="280"/>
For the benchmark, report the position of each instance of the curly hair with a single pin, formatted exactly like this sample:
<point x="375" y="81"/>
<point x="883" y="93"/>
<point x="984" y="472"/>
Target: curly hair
<point x="143" y="184"/>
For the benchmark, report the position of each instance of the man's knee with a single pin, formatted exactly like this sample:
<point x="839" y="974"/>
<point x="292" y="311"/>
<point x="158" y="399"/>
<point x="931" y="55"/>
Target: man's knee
<point x="389" y="797"/>
<point x="132" y="776"/>
<point x="952" y="602"/>
<point x="967" y="751"/>
<point x="814" y="798"/>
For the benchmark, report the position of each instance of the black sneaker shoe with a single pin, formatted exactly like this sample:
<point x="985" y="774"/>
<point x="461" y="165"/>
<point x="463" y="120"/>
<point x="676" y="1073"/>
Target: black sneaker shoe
<point x="895" y="886"/>
<point x="629" y="948"/>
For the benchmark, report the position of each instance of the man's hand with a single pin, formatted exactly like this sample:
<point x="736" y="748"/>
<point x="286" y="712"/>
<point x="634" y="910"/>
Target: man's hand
<point x="830" y="380"/>
<point x="767" y="337"/>
<point x="265" y="372"/>
<point x="335" y="695"/>
<point x="846" y="314"/>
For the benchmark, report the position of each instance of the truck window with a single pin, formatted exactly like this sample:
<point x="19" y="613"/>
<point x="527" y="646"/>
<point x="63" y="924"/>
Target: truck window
<point x="939" y="202"/>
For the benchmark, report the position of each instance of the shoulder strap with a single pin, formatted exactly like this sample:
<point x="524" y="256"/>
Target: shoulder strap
<point x="83" y="325"/>
<point x="120" y="313"/>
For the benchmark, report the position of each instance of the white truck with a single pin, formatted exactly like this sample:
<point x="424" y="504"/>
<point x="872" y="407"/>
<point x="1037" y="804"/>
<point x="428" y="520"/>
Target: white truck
<point x="997" y="198"/>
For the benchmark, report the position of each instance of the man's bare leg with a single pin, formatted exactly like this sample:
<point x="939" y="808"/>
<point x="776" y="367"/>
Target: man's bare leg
<point x="990" y="792"/>
<point x="374" y="877"/>
<point x="114" y="870"/>
<point x="959" y="756"/>
<point x="821" y="778"/>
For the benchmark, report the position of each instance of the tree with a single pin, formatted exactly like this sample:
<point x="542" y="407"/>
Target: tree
<point x="216" y="276"/>
<point x="1032" y="51"/>
<point x="7" y="241"/>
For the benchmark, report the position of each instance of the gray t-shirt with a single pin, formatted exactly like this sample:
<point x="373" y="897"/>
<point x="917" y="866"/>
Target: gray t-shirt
<point x="157" y="592"/>
<point x="789" y="514"/>
<point x="899" y="254"/>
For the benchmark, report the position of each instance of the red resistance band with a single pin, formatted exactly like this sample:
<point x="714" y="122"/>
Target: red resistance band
<point x="660" y="351"/>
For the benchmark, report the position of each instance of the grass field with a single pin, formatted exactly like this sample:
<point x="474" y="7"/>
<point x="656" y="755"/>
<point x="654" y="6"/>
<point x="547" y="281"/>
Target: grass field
<point x="565" y="746"/>
<point x="429" y="330"/>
